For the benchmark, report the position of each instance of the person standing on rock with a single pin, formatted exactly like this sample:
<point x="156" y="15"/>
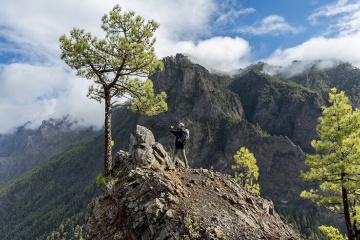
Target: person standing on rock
<point x="182" y="136"/>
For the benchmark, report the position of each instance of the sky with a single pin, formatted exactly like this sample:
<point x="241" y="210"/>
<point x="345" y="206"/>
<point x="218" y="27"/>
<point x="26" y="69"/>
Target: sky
<point x="221" y="35"/>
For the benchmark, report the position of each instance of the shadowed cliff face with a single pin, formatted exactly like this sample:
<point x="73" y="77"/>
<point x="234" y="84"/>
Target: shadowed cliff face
<point x="151" y="199"/>
<point x="280" y="108"/>
<point x="192" y="90"/>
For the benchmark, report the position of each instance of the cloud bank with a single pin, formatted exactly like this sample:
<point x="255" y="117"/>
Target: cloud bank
<point x="36" y="85"/>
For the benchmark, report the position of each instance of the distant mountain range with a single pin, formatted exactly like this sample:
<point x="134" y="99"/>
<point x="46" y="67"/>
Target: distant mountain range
<point x="274" y="116"/>
<point x="26" y="148"/>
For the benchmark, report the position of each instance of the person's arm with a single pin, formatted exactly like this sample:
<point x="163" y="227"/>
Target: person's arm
<point x="176" y="132"/>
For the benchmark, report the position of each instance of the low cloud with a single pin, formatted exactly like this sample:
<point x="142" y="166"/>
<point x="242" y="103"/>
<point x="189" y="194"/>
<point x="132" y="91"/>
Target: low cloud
<point x="339" y="49"/>
<point x="35" y="93"/>
<point x="219" y="54"/>
<point x="299" y="67"/>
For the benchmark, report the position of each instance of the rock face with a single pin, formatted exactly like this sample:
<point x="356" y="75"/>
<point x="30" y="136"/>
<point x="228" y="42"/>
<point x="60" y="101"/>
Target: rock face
<point x="151" y="199"/>
<point x="280" y="108"/>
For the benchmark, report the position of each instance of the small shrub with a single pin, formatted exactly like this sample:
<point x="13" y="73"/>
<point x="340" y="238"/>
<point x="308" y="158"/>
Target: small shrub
<point x="192" y="224"/>
<point x="102" y="180"/>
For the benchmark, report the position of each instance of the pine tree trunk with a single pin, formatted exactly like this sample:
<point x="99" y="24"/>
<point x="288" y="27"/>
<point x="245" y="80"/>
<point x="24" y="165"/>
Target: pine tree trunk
<point x="347" y="214"/>
<point x="108" y="138"/>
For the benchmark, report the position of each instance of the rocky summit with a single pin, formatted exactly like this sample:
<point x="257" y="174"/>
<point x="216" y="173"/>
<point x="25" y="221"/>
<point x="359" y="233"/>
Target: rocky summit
<point x="150" y="198"/>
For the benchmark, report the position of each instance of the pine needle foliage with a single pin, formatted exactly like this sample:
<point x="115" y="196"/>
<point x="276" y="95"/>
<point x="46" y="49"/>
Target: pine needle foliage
<point x="336" y="164"/>
<point x="117" y="65"/>
<point x="246" y="171"/>
<point x="332" y="233"/>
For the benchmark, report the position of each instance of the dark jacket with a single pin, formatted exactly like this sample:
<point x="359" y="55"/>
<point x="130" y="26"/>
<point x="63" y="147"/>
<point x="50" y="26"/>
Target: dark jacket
<point x="179" y="144"/>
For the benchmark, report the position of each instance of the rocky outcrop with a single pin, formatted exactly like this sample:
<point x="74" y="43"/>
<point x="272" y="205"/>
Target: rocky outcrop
<point x="151" y="199"/>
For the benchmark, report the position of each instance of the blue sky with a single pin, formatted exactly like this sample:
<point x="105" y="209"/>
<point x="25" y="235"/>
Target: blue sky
<point x="222" y="35"/>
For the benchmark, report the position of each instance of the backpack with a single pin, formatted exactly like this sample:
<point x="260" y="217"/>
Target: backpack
<point x="185" y="136"/>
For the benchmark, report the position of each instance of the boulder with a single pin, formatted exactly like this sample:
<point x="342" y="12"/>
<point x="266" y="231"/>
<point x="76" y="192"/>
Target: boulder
<point x="145" y="152"/>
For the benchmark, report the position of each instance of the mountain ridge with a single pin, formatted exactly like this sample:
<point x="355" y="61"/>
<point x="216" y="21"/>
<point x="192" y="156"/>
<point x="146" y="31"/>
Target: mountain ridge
<point x="27" y="148"/>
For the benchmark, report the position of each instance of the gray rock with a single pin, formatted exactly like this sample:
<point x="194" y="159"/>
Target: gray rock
<point x="145" y="152"/>
<point x="150" y="200"/>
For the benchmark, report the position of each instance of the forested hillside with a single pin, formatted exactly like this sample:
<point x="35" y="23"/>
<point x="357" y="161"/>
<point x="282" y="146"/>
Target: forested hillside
<point x="27" y="148"/>
<point x="273" y="116"/>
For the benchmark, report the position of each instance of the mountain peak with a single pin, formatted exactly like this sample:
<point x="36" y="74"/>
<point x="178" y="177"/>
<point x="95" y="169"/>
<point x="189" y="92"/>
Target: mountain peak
<point x="150" y="199"/>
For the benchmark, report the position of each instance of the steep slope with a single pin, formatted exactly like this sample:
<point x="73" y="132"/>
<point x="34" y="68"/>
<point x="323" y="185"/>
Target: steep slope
<point x="43" y="198"/>
<point x="26" y="149"/>
<point x="150" y="199"/>
<point x="289" y="104"/>
<point x="60" y="189"/>
<point x="280" y="108"/>
<point x="343" y="76"/>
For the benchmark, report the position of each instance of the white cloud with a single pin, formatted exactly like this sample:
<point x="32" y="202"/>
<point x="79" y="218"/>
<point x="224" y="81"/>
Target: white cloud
<point x="37" y="25"/>
<point x="272" y="25"/>
<point x="34" y="93"/>
<point x="35" y="84"/>
<point x="334" y="9"/>
<point x="320" y="48"/>
<point x="342" y="17"/>
<point x="179" y="20"/>
<point x="233" y="14"/>
<point x="221" y="54"/>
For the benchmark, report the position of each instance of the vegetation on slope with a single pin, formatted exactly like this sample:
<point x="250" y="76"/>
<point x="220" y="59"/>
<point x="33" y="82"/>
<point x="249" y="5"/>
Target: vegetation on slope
<point x="43" y="198"/>
<point x="45" y="195"/>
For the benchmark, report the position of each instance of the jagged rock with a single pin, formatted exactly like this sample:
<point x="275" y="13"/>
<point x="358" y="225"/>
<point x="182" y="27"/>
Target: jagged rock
<point x="145" y="153"/>
<point x="149" y="199"/>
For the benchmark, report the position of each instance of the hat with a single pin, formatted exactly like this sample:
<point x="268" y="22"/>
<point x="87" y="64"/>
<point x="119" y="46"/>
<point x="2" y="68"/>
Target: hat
<point x="181" y="125"/>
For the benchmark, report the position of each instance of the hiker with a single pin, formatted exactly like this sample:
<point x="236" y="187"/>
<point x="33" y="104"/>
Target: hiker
<point x="182" y="136"/>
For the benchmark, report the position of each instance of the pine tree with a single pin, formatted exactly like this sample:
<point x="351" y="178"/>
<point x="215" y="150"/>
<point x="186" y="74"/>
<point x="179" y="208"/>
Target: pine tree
<point x="116" y="64"/>
<point x="336" y="164"/>
<point x="246" y="170"/>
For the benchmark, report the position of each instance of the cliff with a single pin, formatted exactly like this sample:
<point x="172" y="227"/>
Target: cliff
<point x="280" y="108"/>
<point x="150" y="198"/>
